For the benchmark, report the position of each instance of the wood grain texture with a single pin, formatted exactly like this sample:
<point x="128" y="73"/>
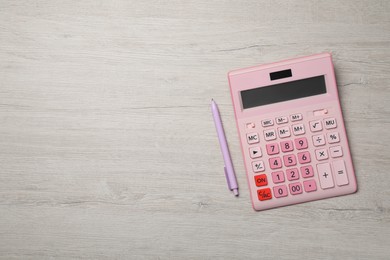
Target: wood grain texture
<point x="108" y="149"/>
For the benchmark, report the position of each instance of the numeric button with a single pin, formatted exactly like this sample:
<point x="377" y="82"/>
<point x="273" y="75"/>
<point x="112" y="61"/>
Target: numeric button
<point x="290" y="160"/>
<point x="295" y="188"/>
<point x="301" y="143"/>
<point x="287" y="146"/>
<point x="278" y="177"/>
<point x="280" y="191"/>
<point x="307" y="171"/>
<point x="304" y="157"/>
<point x="272" y="148"/>
<point x="275" y="163"/>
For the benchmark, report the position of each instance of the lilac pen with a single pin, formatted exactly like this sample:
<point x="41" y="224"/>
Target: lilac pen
<point x="229" y="171"/>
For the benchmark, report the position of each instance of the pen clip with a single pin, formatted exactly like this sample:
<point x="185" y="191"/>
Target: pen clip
<point x="227" y="178"/>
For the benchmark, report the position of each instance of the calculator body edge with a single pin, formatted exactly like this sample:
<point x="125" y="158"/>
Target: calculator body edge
<point x="319" y="107"/>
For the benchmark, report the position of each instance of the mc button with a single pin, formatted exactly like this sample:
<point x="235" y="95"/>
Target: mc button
<point x="252" y="138"/>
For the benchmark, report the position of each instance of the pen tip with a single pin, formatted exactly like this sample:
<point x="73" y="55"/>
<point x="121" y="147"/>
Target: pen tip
<point x="235" y="192"/>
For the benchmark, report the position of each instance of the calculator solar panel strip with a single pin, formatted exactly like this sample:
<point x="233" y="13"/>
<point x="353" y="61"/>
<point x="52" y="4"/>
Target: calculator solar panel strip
<point x="292" y="132"/>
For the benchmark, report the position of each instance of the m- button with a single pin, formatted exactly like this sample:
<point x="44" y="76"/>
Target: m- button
<point x="252" y="138"/>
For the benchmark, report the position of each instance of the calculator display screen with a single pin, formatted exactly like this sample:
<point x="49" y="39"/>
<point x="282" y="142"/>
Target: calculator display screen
<point x="283" y="92"/>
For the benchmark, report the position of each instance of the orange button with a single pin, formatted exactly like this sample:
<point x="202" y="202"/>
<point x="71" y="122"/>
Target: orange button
<point x="261" y="180"/>
<point x="264" y="194"/>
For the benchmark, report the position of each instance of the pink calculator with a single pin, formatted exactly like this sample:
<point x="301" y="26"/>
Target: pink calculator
<point x="292" y="132"/>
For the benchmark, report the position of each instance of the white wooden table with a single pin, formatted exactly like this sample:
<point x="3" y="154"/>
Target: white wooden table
<point x="108" y="148"/>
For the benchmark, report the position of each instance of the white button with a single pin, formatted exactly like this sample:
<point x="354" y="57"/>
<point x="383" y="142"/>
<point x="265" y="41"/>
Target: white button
<point x="298" y="129"/>
<point x="333" y="137"/>
<point x="284" y="132"/>
<point x="340" y="173"/>
<point x="267" y="122"/>
<point x="315" y="126"/>
<point x="330" y="123"/>
<point x="336" y="151"/>
<point x="296" y="117"/>
<point x="325" y="175"/>
<point x="318" y="140"/>
<point x="255" y="152"/>
<point x="322" y="154"/>
<point x="270" y="134"/>
<point x="250" y="125"/>
<point x="258" y="166"/>
<point x="252" y="138"/>
<point x="281" y="120"/>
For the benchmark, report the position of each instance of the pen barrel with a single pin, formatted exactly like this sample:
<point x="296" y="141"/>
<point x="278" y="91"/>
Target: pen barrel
<point x="231" y="178"/>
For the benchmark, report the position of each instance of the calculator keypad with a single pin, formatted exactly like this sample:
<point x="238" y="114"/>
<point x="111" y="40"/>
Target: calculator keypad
<point x="291" y="166"/>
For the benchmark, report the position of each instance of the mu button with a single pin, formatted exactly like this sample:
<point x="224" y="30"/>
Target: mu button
<point x="261" y="180"/>
<point x="264" y="194"/>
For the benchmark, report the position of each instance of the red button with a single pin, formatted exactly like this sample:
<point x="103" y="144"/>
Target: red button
<point x="261" y="180"/>
<point x="264" y="194"/>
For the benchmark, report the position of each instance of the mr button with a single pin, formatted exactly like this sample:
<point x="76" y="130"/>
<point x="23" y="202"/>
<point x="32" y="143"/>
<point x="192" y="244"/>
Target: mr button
<point x="264" y="194"/>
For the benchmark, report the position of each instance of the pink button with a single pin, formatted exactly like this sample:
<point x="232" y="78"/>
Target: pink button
<point x="292" y="174"/>
<point x="290" y="160"/>
<point x="287" y="146"/>
<point x="301" y="143"/>
<point x="310" y="185"/>
<point x="272" y="148"/>
<point x="280" y="191"/>
<point x="275" y="163"/>
<point x="307" y="171"/>
<point x="304" y="157"/>
<point x="295" y="188"/>
<point x="278" y="177"/>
